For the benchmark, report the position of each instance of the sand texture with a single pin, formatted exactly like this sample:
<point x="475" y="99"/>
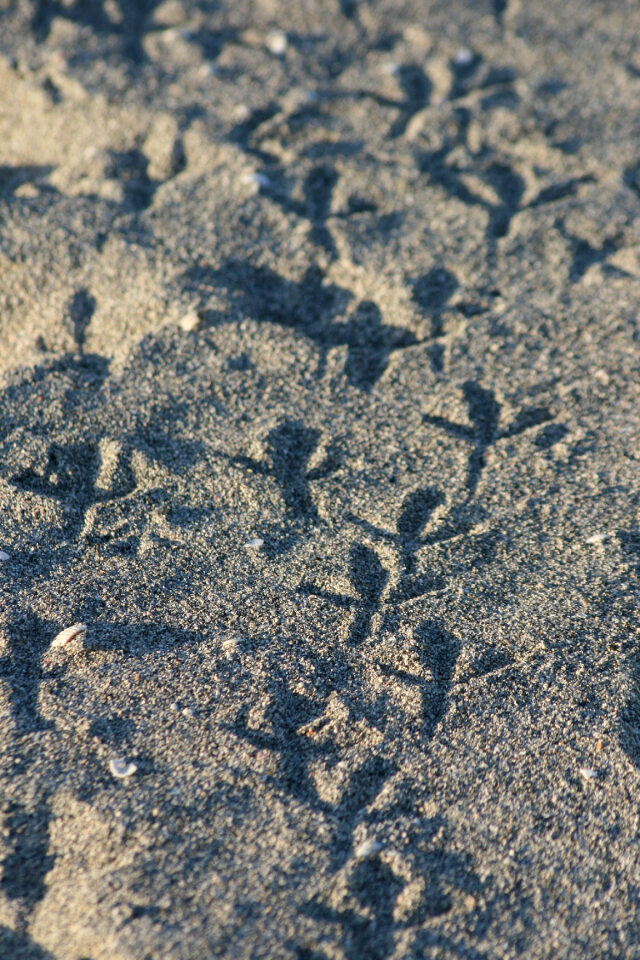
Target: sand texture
<point x="320" y="408"/>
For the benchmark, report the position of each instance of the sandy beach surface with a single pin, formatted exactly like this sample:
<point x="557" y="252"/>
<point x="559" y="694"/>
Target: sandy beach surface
<point x="320" y="409"/>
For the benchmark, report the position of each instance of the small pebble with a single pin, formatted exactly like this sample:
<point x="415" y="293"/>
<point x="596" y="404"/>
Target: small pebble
<point x="255" y="543"/>
<point x="3" y="555"/>
<point x="188" y="712"/>
<point x="366" y="849"/>
<point x="121" y="769"/>
<point x="77" y="632"/>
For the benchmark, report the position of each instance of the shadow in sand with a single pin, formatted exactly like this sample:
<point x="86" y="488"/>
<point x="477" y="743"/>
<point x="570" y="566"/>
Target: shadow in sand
<point x="368" y="578"/>
<point x="22" y="670"/>
<point x="417" y="90"/>
<point x="584" y="255"/>
<point x="13" y="176"/>
<point x="129" y="26"/>
<point x="484" y="431"/>
<point x="283" y="729"/>
<point x="309" y="307"/>
<point x="80" y="311"/>
<point x="370" y="930"/>
<point x="20" y="946"/>
<point x="290" y="446"/>
<point x="507" y="185"/>
<point x="438" y="652"/>
<point x="24" y="869"/>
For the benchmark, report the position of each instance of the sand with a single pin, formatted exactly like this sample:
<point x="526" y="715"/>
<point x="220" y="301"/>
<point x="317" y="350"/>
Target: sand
<point x="320" y="407"/>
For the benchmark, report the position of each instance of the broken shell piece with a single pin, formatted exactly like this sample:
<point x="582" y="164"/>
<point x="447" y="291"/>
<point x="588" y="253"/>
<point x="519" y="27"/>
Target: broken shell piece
<point x="588" y="774"/>
<point x="3" y="555"/>
<point x="76" y="632"/>
<point x="121" y="769"/>
<point x="597" y="538"/>
<point x="366" y="849"/>
<point x="256" y="180"/>
<point x="255" y="543"/>
<point x="231" y="648"/>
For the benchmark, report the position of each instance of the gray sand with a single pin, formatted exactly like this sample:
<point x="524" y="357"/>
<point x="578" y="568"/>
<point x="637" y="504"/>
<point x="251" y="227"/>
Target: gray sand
<point x="320" y="406"/>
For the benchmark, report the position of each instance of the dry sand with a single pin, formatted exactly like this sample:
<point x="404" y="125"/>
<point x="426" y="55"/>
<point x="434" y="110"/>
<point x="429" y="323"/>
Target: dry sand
<point x="320" y="407"/>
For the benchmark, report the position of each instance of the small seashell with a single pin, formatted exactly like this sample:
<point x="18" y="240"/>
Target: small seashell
<point x="256" y="179"/>
<point x="255" y="543"/>
<point x="241" y="113"/>
<point x="3" y="555"/>
<point x="77" y="631"/>
<point x="190" y="321"/>
<point x="121" y="769"/>
<point x="366" y="849"/>
<point x="277" y="43"/>
<point x="207" y="70"/>
<point x="463" y="57"/>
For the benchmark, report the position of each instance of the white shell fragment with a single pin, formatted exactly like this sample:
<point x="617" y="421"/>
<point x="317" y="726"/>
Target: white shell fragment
<point x="366" y="849"/>
<point x="588" y="773"/>
<point x="256" y="180"/>
<point x="254" y="544"/>
<point x="77" y="631"/>
<point x="597" y="538"/>
<point x="277" y="43"/>
<point x="231" y="648"/>
<point x="190" y="321"/>
<point x="3" y="555"/>
<point x="121" y="769"/>
<point x="463" y="57"/>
